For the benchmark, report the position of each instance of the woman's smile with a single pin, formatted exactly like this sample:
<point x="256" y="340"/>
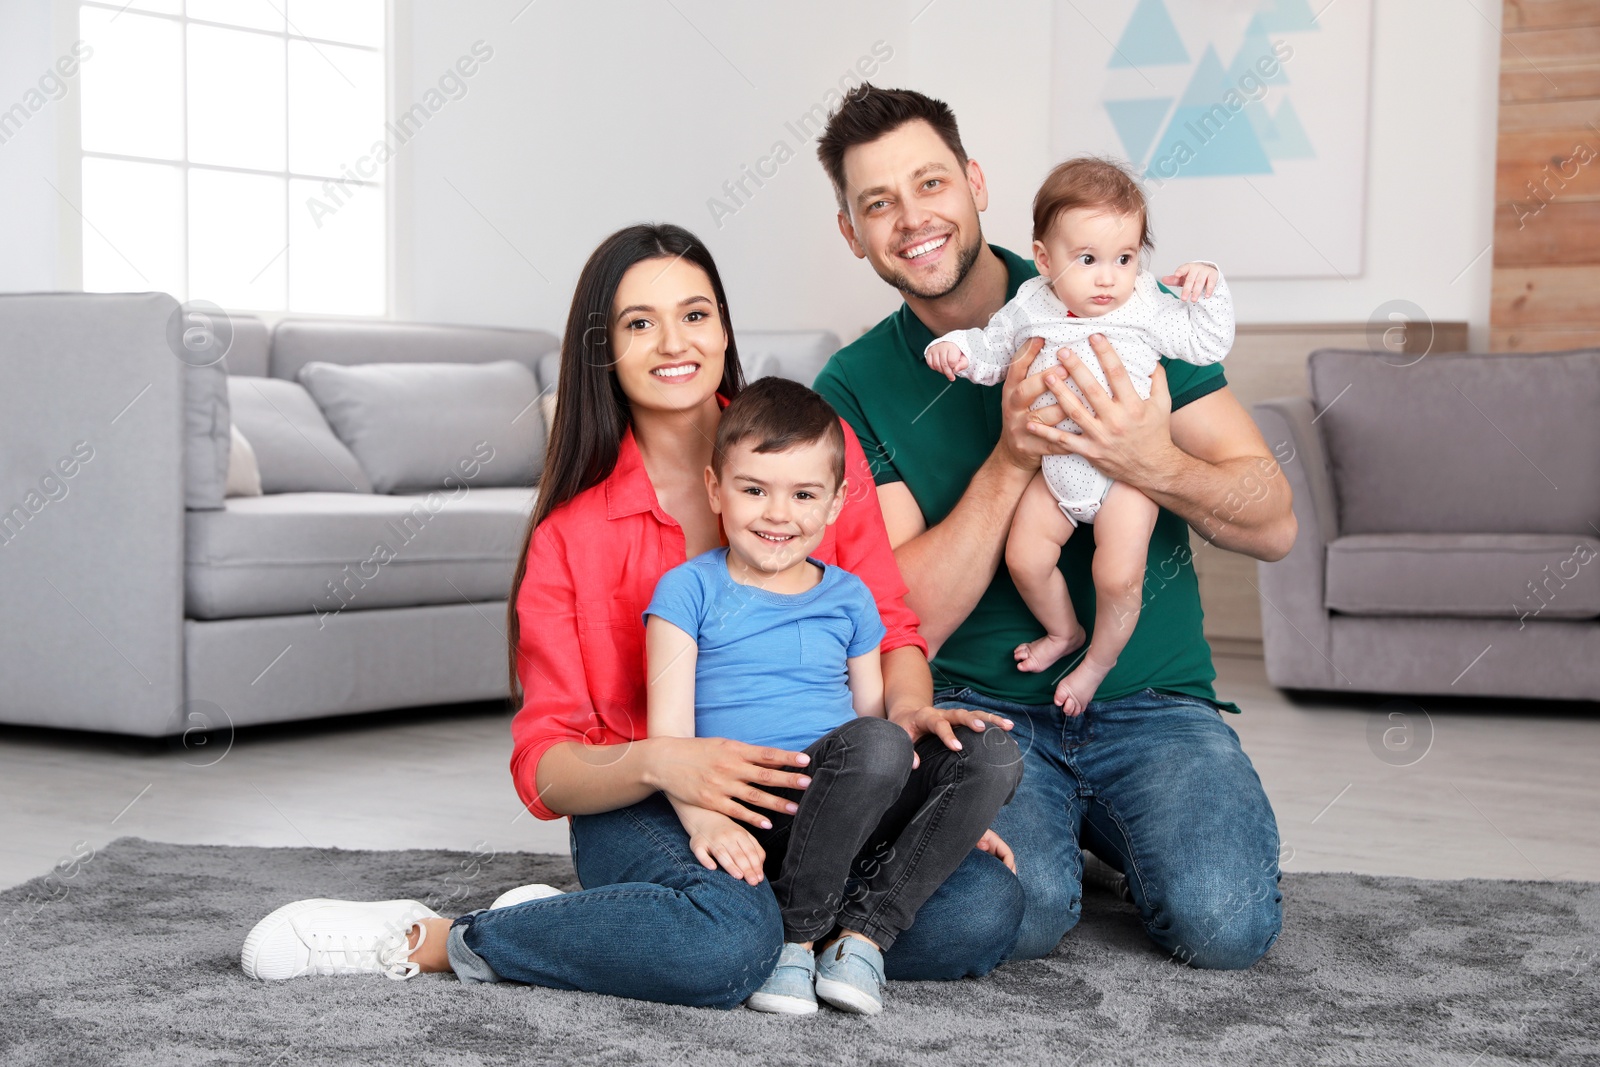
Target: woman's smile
<point x="675" y="372"/>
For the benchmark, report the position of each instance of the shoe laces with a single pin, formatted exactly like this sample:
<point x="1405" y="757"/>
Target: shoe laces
<point x="387" y="953"/>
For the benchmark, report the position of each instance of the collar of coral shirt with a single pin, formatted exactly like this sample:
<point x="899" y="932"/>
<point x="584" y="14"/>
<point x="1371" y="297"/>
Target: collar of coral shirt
<point x="629" y="490"/>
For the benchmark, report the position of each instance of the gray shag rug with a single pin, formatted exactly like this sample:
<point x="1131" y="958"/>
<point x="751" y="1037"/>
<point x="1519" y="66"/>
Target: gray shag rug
<point x="130" y="955"/>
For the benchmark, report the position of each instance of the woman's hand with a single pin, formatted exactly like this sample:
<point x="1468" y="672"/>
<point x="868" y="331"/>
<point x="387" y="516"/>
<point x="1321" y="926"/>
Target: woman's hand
<point x="717" y="840"/>
<point x="723" y="776"/>
<point x="994" y="845"/>
<point x="942" y="723"/>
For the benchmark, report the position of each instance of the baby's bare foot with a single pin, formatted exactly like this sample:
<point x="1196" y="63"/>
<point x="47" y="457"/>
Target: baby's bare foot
<point x="1078" y="688"/>
<point x="1042" y="653"/>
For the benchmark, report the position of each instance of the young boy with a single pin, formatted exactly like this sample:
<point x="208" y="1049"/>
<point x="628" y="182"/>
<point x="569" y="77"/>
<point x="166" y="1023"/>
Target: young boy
<point x="760" y="643"/>
<point x="1090" y="226"/>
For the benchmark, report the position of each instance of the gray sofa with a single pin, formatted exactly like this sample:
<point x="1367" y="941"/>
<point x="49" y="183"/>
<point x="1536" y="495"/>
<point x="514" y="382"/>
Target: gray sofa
<point x="1449" y="513"/>
<point x="136" y="598"/>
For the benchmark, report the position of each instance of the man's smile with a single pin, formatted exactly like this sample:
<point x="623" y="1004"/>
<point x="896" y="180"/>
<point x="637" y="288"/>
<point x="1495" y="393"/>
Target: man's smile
<point x="924" y="248"/>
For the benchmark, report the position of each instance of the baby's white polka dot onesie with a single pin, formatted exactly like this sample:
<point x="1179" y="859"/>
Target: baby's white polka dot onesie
<point x="1151" y="324"/>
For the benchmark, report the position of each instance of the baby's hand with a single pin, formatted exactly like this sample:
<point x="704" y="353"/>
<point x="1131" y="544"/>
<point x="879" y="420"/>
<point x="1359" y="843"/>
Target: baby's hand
<point x="1198" y="280"/>
<point x="717" y="840"/>
<point x="947" y="358"/>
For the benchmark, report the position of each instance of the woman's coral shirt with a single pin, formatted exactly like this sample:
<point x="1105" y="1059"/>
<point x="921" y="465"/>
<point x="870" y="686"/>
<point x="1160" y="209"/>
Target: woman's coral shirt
<point x="592" y="567"/>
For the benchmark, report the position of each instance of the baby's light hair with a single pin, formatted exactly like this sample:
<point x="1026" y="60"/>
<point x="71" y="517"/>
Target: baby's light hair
<point x="1091" y="182"/>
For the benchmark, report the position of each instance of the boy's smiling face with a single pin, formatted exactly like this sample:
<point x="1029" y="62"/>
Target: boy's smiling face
<point x="775" y="506"/>
<point x="1091" y="257"/>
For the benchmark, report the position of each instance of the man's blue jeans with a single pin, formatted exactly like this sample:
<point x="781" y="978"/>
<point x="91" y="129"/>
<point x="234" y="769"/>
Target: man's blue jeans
<point x="653" y="924"/>
<point x="1157" y="786"/>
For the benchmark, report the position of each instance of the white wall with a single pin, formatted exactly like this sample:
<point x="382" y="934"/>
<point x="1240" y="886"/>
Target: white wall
<point x="589" y="117"/>
<point x="28" y="205"/>
<point x="1430" y="176"/>
<point x="582" y="124"/>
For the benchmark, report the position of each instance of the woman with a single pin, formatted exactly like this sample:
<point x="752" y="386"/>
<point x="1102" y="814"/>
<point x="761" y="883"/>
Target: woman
<point x="648" y="363"/>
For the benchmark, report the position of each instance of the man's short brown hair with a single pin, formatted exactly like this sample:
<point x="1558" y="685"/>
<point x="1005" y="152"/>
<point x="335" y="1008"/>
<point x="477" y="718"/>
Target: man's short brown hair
<point x="779" y="414"/>
<point x="1091" y="182"/>
<point x="869" y="113"/>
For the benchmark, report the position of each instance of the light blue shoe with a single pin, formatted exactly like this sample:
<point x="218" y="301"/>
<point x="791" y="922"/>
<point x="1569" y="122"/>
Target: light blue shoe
<point x="788" y="990"/>
<point x="850" y="976"/>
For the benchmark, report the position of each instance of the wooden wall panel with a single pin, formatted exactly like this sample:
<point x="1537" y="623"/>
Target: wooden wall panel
<point x="1535" y="297"/>
<point x="1547" y="178"/>
<point x="1523" y="84"/>
<point x="1562" y="231"/>
<point x="1550" y="14"/>
<point x="1555" y="339"/>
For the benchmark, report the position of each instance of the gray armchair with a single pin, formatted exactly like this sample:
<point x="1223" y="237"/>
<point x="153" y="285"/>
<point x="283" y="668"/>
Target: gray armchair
<point x="1449" y="515"/>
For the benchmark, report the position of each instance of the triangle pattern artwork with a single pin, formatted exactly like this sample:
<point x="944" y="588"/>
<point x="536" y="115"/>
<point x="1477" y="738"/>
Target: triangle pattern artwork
<point x="1288" y="138"/>
<point x="1137" y="122"/>
<point x="1201" y="136"/>
<point x="1287" y="16"/>
<point x="1205" y="139"/>
<point x="1150" y="39"/>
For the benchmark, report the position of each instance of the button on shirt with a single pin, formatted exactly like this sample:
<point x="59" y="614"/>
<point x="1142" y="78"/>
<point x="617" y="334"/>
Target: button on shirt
<point x="592" y="567"/>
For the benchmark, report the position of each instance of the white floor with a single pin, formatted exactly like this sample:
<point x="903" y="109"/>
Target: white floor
<point x="1458" y="790"/>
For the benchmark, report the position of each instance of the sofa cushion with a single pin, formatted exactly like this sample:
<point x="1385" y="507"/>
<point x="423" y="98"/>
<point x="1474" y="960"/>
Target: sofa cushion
<point x="244" y="474"/>
<point x="1465" y="443"/>
<point x="207" y="436"/>
<point x="295" y="448"/>
<point x="418" y="426"/>
<point x="1518" y="576"/>
<point x="795" y="354"/>
<point x="296" y="342"/>
<point x="330" y="552"/>
<point x="549" y="370"/>
<point x="248" y="352"/>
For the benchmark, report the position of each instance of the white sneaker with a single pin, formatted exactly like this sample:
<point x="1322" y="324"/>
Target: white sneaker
<point x="524" y="893"/>
<point x="335" y="937"/>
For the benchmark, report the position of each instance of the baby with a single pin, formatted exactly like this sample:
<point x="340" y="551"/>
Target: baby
<point x="761" y="643"/>
<point x="1090" y="225"/>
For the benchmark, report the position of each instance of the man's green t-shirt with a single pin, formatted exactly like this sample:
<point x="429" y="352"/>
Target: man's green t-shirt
<point x="933" y="435"/>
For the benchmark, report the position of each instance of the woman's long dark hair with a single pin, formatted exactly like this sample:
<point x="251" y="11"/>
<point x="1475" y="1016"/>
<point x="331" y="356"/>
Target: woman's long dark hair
<point x="592" y="411"/>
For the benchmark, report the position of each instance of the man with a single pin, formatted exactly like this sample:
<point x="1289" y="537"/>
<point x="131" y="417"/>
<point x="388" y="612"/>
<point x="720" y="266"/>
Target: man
<point x="1149" y="777"/>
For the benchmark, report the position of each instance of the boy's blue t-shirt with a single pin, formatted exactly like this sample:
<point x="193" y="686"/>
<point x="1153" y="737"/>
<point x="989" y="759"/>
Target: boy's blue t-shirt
<point x="771" y="666"/>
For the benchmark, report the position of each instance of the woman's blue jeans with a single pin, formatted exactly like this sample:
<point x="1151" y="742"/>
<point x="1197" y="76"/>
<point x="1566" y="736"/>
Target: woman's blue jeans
<point x="1158" y="786"/>
<point x="653" y="924"/>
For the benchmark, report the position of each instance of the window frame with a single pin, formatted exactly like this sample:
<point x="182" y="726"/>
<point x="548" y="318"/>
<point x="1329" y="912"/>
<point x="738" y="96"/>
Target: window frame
<point x="392" y="180"/>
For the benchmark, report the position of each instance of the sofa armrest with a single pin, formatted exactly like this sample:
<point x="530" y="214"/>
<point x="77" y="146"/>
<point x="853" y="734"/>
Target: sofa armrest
<point x="92" y="432"/>
<point x="1294" y="619"/>
<point x="1289" y="426"/>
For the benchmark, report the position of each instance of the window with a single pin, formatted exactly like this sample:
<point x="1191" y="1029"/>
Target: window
<point x="231" y="152"/>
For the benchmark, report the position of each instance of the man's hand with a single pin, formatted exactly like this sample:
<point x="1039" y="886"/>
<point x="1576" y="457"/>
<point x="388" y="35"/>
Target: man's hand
<point x="995" y="846"/>
<point x="942" y="722"/>
<point x="947" y="358"/>
<point x="717" y="840"/>
<point x="1197" y="279"/>
<point x="1018" y="394"/>
<point x="1124" y="437"/>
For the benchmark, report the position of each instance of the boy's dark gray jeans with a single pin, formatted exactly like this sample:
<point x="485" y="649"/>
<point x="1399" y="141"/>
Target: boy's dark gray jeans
<point x="873" y="838"/>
